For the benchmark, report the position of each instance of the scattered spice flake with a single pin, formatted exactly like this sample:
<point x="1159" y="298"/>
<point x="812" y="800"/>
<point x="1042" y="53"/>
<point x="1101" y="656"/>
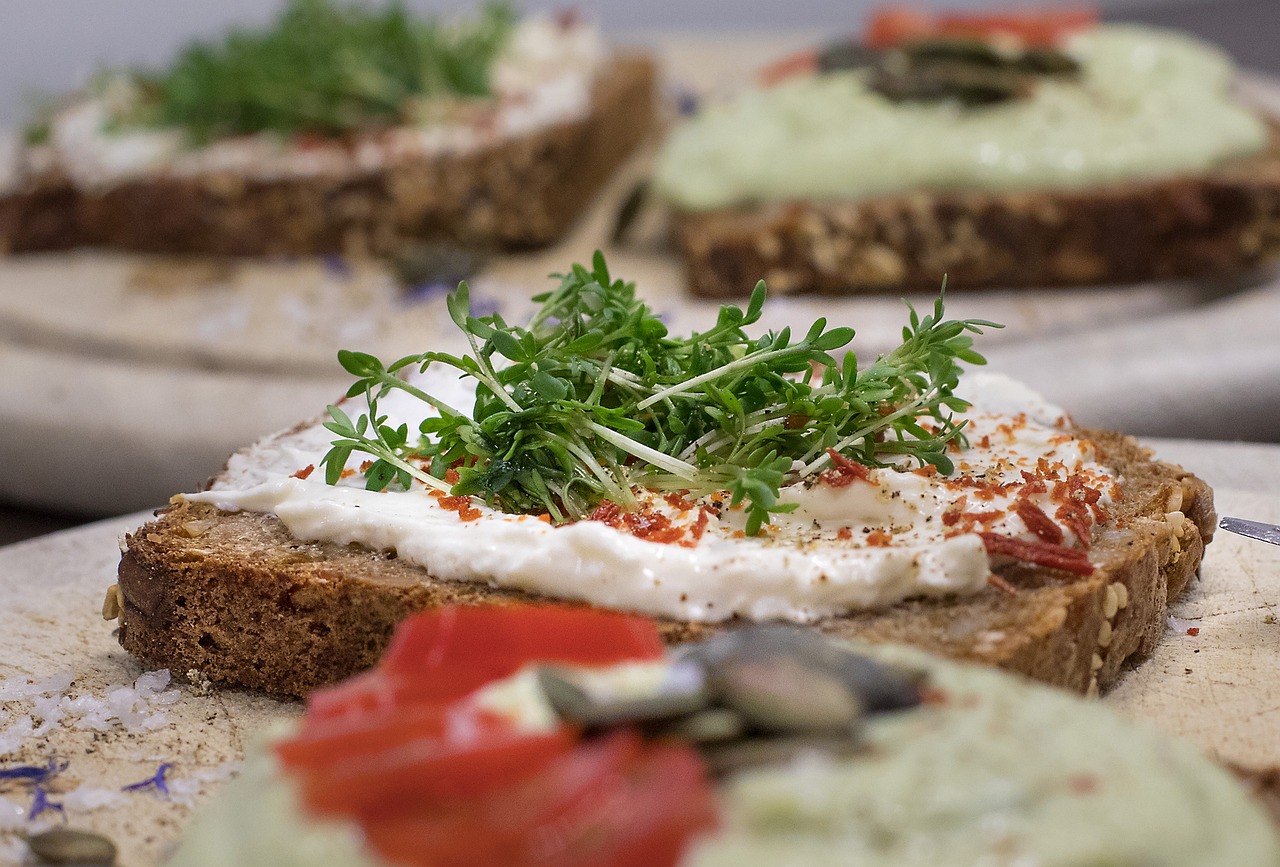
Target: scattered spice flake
<point x="844" y="472"/>
<point x="545" y="517"/>
<point x="680" y="501"/>
<point x="155" y="781"/>
<point x="1075" y="499"/>
<point x="346" y="474"/>
<point x="879" y="539"/>
<point x="844" y="534"/>
<point x="959" y="517"/>
<point x="928" y="471"/>
<point x="699" y="527"/>
<point x="607" y="513"/>
<point x="451" y="476"/>
<point x="1040" y="553"/>
<point x="933" y="696"/>
<point x="305" y="471"/>
<point x="1002" y="585"/>
<point x="644" y="523"/>
<point x="1084" y="784"/>
<point x="1039" y="523"/>
<point x="461" y="505"/>
<point x="1193" y="631"/>
<point x="364" y="466"/>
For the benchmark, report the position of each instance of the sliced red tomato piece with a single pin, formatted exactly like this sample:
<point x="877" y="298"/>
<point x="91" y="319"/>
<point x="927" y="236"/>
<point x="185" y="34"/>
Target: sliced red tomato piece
<point x="1033" y="27"/>
<point x="612" y="803"/>
<point x="430" y="770"/>
<point x="659" y="804"/>
<point x="891" y="25"/>
<point x="321" y="742"/>
<point x="499" y="639"/>
<point x="500" y="828"/>
<point x="442" y="655"/>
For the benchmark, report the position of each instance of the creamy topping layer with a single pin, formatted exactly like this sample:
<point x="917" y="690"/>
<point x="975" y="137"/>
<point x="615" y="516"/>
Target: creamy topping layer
<point x="1150" y="103"/>
<point x="852" y="543"/>
<point x="543" y="77"/>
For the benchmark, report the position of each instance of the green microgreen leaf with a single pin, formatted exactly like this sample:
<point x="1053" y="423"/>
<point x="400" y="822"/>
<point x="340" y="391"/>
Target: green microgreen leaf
<point x="595" y="399"/>
<point x="325" y="68"/>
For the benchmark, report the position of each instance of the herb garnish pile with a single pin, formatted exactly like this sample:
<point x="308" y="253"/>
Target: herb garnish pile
<point x="594" y="398"/>
<point x="324" y="69"/>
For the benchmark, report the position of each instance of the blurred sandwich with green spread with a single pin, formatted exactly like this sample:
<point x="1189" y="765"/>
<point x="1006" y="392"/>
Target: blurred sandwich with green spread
<point x="1022" y="149"/>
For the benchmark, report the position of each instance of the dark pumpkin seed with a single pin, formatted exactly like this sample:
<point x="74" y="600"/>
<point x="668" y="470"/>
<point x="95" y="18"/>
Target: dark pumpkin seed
<point x="713" y="725"/>
<point x="72" y="846"/>
<point x="784" y="695"/>
<point x="879" y="687"/>
<point x="742" y="755"/>
<point x="970" y="85"/>
<point x="840" y="56"/>
<point x="574" y="704"/>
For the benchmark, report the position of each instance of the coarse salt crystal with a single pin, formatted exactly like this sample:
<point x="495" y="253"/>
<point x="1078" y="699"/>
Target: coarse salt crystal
<point x="12" y="815"/>
<point x="23" y="688"/>
<point x="85" y="798"/>
<point x="184" y="789"/>
<point x="11" y="737"/>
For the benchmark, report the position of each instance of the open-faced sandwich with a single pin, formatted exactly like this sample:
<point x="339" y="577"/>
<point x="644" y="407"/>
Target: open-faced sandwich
<point x="339" y="129"/>
<point x="527" y="735"/>
<point x="593" y="459"/>
<point x="1028" y="148"/>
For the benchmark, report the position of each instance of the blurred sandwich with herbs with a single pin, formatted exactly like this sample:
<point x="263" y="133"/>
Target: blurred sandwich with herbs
<point x="337" y="129"/>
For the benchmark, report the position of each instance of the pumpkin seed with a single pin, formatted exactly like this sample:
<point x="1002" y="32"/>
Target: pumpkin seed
<point x="846" y="55"/>
<point x="878" y="686"/>
<point x="741" y="755"/>
<point x="713" y="725"/>
<point x="782" y="694"/>
<point x="574" y="704"/>
<point x="971" y="85"/>
<point x="71" y="846"/>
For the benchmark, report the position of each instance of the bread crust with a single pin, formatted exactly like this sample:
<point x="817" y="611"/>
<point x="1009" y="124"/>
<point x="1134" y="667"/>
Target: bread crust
<point x="1223" y="222"/>
<point x="522" y="192"/>
<point x="236" y="598"/>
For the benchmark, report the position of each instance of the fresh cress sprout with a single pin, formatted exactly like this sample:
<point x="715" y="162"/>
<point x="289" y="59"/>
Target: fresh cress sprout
<point x="594" y="399"/>
<point x="325" y="68"/>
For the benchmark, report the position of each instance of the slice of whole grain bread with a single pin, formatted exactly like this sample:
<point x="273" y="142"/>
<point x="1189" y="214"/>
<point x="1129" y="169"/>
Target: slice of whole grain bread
<point x="1223" y="222"/>
<point x="236" y="598"/>
<point x="524" y="191"/>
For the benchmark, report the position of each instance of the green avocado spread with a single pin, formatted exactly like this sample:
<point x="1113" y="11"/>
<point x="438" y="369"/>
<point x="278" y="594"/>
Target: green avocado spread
<point x="1148" y="103"/>
<point x="991" y="772"/>
<point x="995" y="772"/>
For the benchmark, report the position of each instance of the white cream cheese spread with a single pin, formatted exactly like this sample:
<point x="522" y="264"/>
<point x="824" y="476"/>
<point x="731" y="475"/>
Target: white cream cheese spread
<point x="1150" y="103"/>
<point x="852" y="543"/>
<point x="542" y="77"/>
